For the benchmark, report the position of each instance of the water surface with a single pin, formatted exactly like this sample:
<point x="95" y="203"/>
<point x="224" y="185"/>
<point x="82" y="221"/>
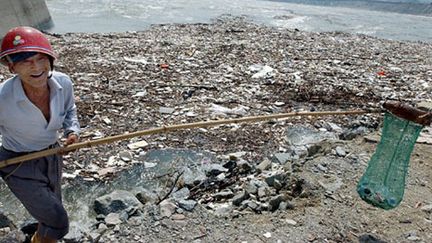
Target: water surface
<point x="130" y="15"/>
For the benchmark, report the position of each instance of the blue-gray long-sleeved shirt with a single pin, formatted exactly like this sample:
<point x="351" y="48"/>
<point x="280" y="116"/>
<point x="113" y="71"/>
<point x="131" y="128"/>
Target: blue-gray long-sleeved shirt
<point x="24" y="127"/>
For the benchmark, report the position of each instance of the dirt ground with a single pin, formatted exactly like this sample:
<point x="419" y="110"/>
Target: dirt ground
<point x="339" y="217"/>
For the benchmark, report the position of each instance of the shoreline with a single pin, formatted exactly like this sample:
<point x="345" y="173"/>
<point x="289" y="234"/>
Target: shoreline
<point x="417" y="9"/>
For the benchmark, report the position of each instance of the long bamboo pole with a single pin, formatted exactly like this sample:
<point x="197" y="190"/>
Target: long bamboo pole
<point x="165" y="129"/>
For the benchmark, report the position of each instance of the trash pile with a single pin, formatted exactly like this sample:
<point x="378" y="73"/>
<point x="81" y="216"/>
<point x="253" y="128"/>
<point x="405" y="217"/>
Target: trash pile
<point x="173" y="74"/>
<point x="176" y="74"/>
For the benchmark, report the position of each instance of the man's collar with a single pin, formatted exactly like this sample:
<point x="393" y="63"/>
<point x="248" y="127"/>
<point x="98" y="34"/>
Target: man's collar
<point x="20" y="95"/>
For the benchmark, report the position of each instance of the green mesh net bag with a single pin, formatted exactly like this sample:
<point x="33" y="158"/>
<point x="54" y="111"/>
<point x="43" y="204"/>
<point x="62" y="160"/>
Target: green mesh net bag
<point x="383" y="182"/>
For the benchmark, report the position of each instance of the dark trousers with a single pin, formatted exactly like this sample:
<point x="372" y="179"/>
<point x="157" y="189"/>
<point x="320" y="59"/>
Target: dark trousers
<point x="37" y="184"/>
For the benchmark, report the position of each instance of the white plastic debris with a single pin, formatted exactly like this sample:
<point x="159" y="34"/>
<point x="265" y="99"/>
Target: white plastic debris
<point x="136" y="60"/>
<point x="140" y="94"/>
<point x="266" y="70"/>
<point x="137" y="145"/>
<point x="240" y="110"/>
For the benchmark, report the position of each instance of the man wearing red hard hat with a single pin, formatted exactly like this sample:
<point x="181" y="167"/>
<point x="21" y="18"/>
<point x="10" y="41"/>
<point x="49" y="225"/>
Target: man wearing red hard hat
<point x="35" y="104"/>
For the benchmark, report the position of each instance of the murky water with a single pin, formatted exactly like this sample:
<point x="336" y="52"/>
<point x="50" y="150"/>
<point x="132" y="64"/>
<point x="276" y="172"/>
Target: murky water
<point x="128" y="15"/>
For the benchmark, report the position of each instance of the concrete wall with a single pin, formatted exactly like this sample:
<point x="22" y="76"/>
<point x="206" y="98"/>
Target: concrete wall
<point x="23" y="12"/>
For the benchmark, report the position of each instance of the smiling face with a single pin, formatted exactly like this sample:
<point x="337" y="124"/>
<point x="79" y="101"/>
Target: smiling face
<point x="33" y="71"/>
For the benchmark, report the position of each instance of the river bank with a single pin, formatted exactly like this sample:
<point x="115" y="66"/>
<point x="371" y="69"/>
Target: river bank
<point x="172" y="74"/>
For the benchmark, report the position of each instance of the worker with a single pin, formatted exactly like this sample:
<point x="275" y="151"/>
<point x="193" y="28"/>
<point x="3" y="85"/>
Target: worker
<point x="36" y="105"/>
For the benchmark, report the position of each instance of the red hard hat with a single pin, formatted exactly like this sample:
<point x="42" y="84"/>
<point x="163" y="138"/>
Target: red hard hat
<point x="24" y="39"/>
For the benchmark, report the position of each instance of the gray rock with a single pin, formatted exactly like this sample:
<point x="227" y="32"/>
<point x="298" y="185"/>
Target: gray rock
<point x="276" y="178"/>
<point x="322" y="147"/>
<point x="117" y="201"/>
<point x="244" y="166"/>
<point x="340" y="151"/>
<point x="285" y="206"/>
<point x="277" y="184"/>
<point x="75" y="233"/>
<point x="302" y="135"/>
<point x="193" y="177"/>
<point x="223" y="210"/>
<point x="322" y="167"/>
<point x="264" y="165"/>
<point x="187" y="205"/>
<point x="276" y="201"/>
<point x="353" y="133"/>
<point x="181" y="194"/>
<point x="240" y="197"/>
<point x="333" y="127"/>
<point x="250" y="204"/>
<point x="146" y="196"/>
<point x="167" y="208"/>
<point x="126" y="156"/>
<point x="214" y="169"/>
<point x="263" y="191"/>
<point x="113" y="219"/>
<point x="224" y="194"/>
<point x="251" y="187"/>
<point x="5" y="221"/>
<point x="283" y="158"/>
